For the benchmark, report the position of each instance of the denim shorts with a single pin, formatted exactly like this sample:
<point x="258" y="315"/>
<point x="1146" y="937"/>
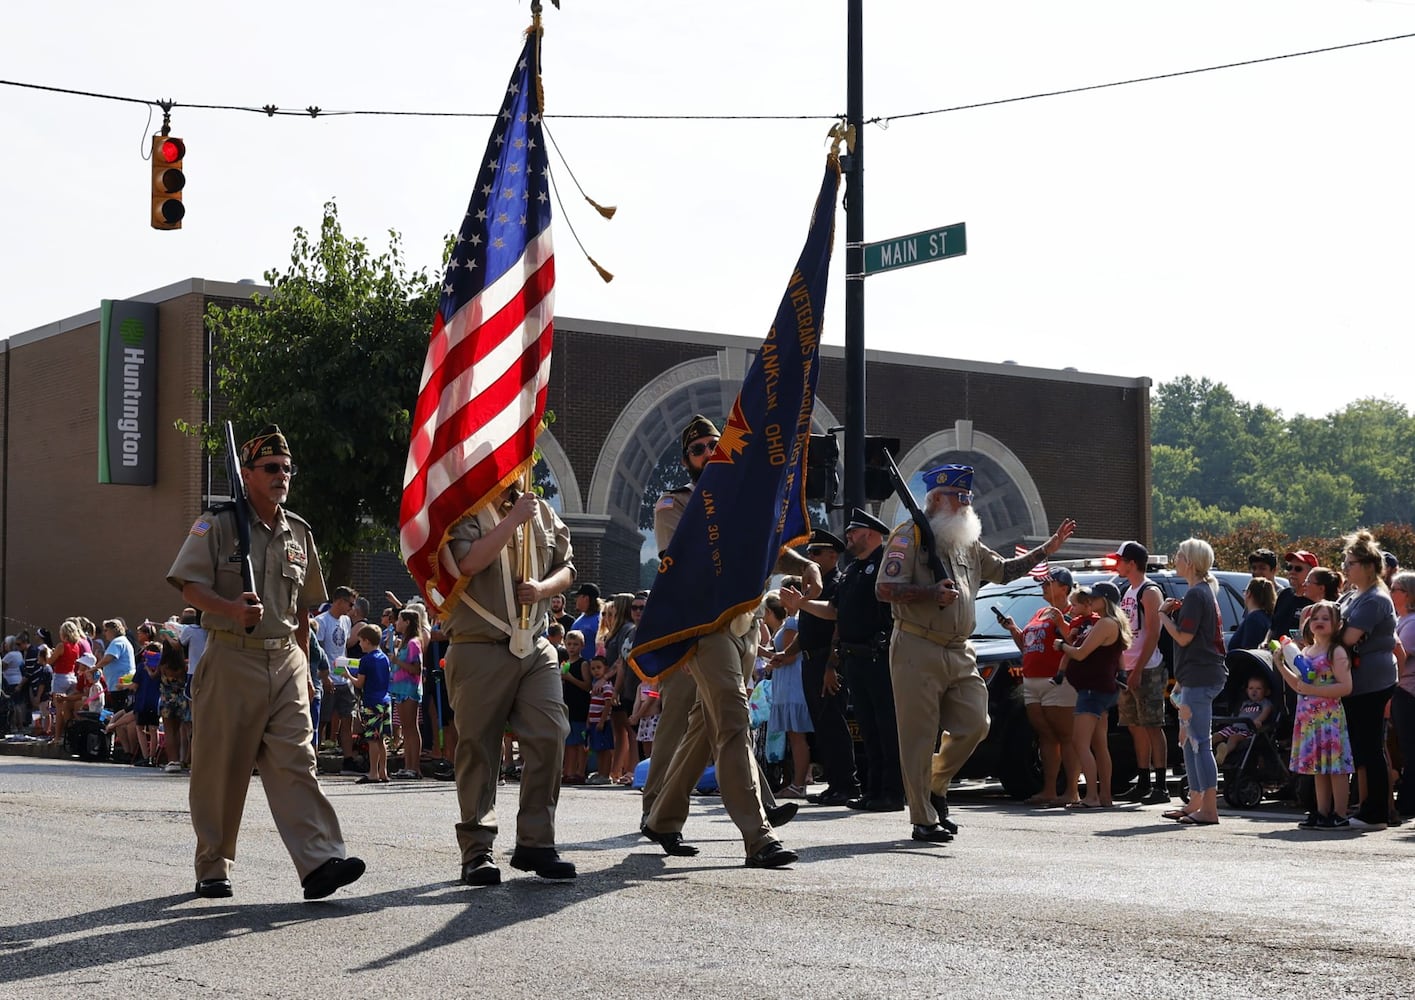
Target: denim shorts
<point x="1095" y="703"/>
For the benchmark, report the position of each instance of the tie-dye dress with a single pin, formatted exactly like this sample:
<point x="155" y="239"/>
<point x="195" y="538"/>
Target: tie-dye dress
<point x="1320" y="744"/>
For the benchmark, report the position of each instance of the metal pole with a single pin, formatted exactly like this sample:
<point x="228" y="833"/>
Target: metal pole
<point x="855" y="263"/>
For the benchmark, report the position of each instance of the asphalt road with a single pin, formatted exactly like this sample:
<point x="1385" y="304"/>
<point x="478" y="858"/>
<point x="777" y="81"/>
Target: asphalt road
<point x="96" y="878"/>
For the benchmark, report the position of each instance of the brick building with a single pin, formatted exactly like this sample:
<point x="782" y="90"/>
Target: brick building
<point x="72" y="545"/>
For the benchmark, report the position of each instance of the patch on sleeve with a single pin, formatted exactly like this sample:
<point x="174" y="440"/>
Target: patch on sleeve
<point x="894" y="564"/>
<point x="201" y="527"/>
<point x="664" y="502"/>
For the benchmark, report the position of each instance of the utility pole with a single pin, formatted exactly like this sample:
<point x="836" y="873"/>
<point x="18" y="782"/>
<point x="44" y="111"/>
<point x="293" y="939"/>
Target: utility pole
<point x="855" y="261"/>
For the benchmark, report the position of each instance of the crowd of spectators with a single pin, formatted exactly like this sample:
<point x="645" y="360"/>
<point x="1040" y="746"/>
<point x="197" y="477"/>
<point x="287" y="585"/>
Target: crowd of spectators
<point x="378" y="693"/>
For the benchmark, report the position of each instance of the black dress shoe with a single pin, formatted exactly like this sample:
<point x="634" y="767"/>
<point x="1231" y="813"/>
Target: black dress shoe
<point x="830" y="797"/>
<point x="672" y="843"/>
<point x="481" y="870"/>
<point x="884" y="805"/>
<point x="214" y="888"/>
<point x="333" y="874"/>
<point x="940" y="804"/>
<point x="935" y="834"/>
<point x="781" y="814"/>
<point x="544" y="861"/>
<point x="773" y="855"/>
<point x="858" y="802"/>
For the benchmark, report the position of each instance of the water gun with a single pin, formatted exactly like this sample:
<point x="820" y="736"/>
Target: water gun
<point x="1286" y="650"/>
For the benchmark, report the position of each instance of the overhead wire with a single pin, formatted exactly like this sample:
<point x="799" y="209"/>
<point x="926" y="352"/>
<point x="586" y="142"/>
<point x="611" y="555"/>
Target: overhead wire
<point x="314" y="111"/>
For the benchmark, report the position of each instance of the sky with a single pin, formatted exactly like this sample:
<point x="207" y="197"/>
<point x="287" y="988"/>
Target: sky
<point x="1249" y="225"/>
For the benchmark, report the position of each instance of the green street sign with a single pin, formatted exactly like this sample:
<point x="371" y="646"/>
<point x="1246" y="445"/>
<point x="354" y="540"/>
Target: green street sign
<point x="918" y="248"/>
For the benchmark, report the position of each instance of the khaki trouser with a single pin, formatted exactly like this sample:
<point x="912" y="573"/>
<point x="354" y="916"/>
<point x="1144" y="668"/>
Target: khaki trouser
<point x="718" y="728"/>
<point x="489" y="689"/>
<point x="677" y="694"/>
<point x="250" y="708"/>
<point x="935" y="687"/>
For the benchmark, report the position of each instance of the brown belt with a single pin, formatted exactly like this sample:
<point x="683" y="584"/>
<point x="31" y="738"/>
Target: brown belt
<point x="927" y="633"/>
<point x="246" y="642"/>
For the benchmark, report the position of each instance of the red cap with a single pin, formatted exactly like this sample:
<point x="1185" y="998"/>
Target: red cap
<point x="1302" y="555"/>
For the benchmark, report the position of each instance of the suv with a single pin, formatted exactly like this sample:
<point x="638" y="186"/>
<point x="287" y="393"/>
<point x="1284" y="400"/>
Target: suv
<point x="1009" y="753"/>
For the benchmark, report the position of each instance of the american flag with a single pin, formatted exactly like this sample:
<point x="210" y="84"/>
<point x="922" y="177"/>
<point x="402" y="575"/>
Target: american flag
<point x="1037" y="572"/>
<point x="482" y="394"/>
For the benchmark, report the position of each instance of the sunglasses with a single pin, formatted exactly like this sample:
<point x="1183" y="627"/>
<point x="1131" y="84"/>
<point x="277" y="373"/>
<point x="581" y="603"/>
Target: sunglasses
<point x="277" y="469"/>
<point x="701" y="447"/>
<point x="636" y="607"/>
<point x="1296" y="568"/>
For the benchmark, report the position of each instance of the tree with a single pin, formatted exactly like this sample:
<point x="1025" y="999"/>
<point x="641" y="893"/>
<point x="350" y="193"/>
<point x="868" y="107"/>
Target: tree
<point x="333" y="354"/>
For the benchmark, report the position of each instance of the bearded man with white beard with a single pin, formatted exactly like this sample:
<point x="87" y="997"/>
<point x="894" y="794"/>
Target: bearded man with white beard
<point x="932" y="664"/>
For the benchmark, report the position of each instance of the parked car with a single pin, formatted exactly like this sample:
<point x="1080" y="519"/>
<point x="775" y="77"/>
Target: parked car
<point x="1009" y="754"/>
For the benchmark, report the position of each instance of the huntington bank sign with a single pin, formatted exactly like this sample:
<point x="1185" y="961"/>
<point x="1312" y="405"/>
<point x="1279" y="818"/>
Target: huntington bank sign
<point x="127" y="393"/>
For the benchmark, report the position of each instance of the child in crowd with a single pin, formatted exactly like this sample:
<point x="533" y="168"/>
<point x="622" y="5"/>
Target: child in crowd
<point x="601" y="735"/>
<point x="406" y="688"/>
<point x="1321" y="745"/>
<point x="645" y="716"/>
<point x="175" y="706"/>
<point x="372" y="680"/>
<point x="1253" y="716"/>
<point x="147" y="695"/>
<point x="575" y="683"/>
<point x="95" y="693"/>
<point x="1079" y="617"/>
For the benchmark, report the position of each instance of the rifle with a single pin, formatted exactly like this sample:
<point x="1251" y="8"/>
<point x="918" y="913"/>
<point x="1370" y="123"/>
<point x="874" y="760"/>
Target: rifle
<point x="243" y="513"/>
<point x="921" y="521"/>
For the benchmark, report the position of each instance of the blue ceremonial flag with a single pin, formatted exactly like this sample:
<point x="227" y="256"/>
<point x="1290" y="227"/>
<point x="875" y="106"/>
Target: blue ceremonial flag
<point x="750" y="501"/>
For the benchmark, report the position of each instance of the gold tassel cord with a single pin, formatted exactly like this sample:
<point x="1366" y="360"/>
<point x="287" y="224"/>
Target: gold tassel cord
<point x="602" y="272"/>
<point x="605" y="210"/>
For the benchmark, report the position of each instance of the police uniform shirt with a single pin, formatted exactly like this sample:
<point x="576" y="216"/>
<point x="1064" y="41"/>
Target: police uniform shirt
<point x="288" y="576"/>
<point x="862" y="615"/>
<point x="905" y="561"/>
<point x="815" y="633"/>
<point x="487" y="588"/>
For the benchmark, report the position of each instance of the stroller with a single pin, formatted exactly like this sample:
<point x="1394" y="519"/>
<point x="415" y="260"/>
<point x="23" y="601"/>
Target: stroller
<point x="1258" y="766"/>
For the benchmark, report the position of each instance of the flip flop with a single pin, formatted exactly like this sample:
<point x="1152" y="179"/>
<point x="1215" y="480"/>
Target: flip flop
<point x="1080" y="805"/>
<point x="1187" y="820"/>
<point x="1178" y="814"/>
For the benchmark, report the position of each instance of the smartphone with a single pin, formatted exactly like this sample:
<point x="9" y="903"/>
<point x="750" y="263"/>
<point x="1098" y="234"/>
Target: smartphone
<point x="1001" y="618"/>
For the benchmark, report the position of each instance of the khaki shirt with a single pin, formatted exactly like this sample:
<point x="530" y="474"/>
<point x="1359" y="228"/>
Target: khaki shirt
<point x="288" y="577"/>
<point x="905" y="561"/>
<point x="488" y="588"/>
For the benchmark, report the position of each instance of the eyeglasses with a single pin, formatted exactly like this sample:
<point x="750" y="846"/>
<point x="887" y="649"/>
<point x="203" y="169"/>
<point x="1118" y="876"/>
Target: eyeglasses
<point x="698" y="448"/>
<point x="277" y="469"/>
<point x="962" y="496"/>
<point x="1298" y="568"/>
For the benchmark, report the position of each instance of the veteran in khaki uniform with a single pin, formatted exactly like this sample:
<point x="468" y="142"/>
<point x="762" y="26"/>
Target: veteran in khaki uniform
<point x="717" y="726"/>
<point x="490" y="686"/>
<point x="251" y="691"/>
<point x="931" y="663"/>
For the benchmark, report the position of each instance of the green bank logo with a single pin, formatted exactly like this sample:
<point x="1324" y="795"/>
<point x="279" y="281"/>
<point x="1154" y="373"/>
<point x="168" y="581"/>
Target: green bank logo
<point x="131" y="331"/>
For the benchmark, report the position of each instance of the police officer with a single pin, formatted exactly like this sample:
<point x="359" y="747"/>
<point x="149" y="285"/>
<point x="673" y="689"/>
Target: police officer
<point x="500" y="675"/>
<point x="860" y="654"/>
<point x="717" y="725"/>
<point x="936" y="681"/>
<point x="250" y="693"/>
<point x="825" y="696"/>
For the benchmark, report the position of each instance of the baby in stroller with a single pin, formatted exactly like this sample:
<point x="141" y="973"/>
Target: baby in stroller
<point x="1249" y="756"/>
<point x="1253" y="715"/>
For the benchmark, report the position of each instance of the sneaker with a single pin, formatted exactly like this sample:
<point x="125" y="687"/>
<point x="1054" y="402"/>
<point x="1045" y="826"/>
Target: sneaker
<point x="1135" y="793"/>
<point x="1158" y="796"/>
<point x="1357" y="823"/>
<point x="1312" y="822"/>
<point x="173" y="767"/>
<point x="1336" y="823"/>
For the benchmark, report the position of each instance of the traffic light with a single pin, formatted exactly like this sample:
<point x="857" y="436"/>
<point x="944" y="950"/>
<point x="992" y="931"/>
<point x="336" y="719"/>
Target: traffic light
<point x="822" y="476"/>
<point x="167" y="182"/>
<point x="877" y="483"/>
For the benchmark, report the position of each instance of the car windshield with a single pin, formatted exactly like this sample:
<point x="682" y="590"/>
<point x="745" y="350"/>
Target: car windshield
<point x="1018" y="600"/>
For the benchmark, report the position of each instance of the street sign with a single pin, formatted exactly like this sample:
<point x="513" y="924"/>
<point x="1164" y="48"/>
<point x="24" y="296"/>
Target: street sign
<point x="918" y="248"/>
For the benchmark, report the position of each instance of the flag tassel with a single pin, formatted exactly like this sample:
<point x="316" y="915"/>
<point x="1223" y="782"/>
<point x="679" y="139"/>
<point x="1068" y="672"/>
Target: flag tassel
<point x="602" y="272"/>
